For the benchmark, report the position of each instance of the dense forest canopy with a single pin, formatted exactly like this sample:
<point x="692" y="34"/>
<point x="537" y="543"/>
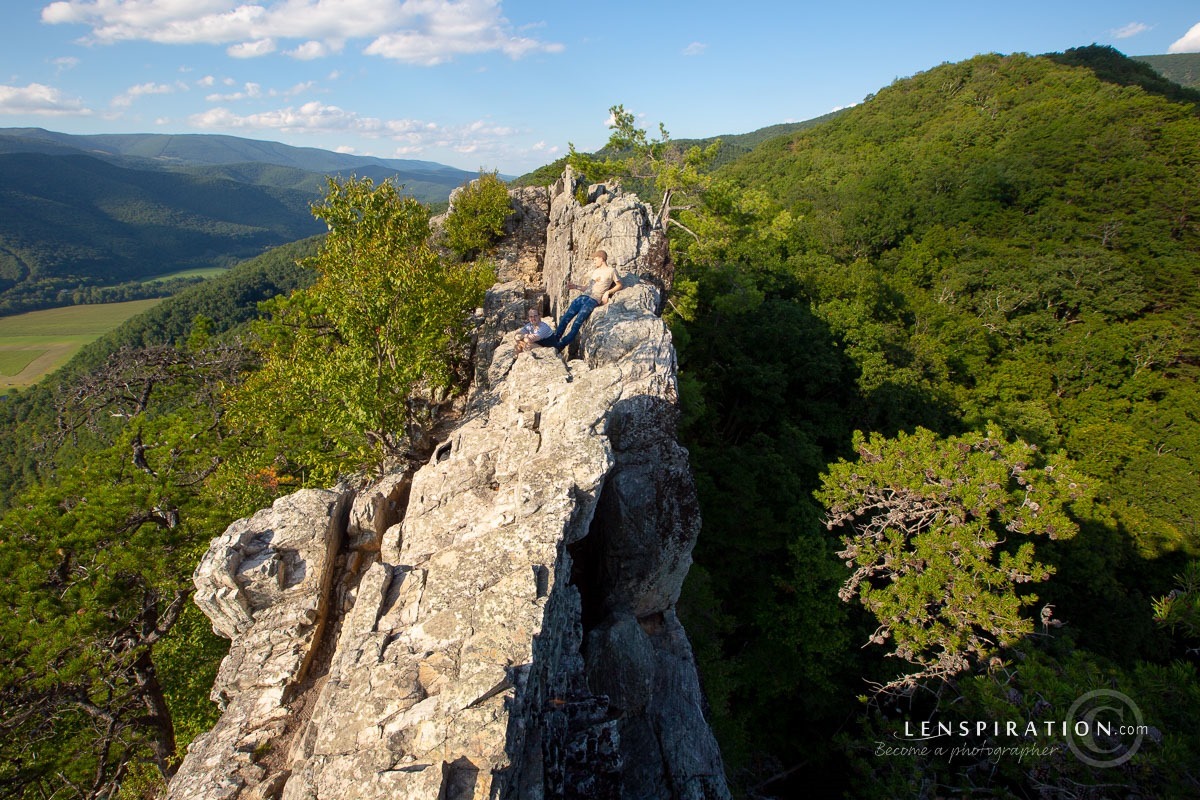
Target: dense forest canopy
<point x="1008" y="243"/>
<point x="974" y="295"/>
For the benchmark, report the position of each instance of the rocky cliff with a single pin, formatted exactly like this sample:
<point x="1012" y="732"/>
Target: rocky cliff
<point x="499" y="623"/>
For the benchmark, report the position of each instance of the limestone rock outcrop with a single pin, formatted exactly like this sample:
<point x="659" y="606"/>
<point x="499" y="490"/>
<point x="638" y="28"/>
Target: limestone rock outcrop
<point x="500" y="623"/>
<point x="613" y="221"/>
<point x="265" y="584"/>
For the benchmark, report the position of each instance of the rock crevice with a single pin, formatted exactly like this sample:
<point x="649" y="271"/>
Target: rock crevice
<point x="504" y="616"/>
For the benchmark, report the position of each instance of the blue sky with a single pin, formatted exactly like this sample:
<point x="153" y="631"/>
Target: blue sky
<point x="507" y="84"/>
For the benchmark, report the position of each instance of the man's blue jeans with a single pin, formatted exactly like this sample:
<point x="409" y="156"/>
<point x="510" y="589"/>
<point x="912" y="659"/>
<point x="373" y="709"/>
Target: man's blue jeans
<point x="581" y="307"/>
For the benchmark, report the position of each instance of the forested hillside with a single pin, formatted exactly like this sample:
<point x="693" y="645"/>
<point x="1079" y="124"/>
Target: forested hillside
<point x="938" y="378"/>
<point x="72" y="222"/>
<point x="86" y="219"/>
<point x="1006" y="245"/>
<point x="1182" y="68"/>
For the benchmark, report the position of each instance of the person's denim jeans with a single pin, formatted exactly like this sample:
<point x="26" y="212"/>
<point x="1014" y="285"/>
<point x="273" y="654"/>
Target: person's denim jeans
<point x="581" y="307"/>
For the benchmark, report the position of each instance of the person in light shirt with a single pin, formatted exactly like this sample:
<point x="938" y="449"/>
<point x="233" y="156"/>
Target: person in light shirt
<point x="603" y="283"/>
<point x="535" y="331"/>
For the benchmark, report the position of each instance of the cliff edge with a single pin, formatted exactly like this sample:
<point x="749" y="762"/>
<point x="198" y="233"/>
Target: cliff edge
<point x="499" y="623"/>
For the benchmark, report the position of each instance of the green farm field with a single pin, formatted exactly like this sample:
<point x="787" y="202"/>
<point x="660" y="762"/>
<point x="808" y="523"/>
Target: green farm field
<point x="35" y="344"/>
<point x="199" y="272"/>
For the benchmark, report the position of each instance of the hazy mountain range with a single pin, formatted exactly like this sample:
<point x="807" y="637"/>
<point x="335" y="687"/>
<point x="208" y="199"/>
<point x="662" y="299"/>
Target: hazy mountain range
<point x="245" y="160"/>
<point x="78" y="212"/>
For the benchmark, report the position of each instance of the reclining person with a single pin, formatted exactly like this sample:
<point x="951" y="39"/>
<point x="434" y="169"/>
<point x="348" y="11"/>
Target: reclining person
<point x="603" y="283"/>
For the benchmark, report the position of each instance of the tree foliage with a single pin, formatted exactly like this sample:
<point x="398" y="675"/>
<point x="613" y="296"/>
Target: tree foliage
<point x="1179" y="609"/>
<point x="477" y="215"/>
<point x="1000" y="242"/>
<point x="357" y="361"/>
<point x="677" y="177"/>
<point x="96" y="560"/>
<point x="938" y="533"/>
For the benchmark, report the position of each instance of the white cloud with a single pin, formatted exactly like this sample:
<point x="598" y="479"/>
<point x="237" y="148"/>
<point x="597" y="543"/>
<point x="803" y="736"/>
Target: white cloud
<point x="1190" y="43"/>
<point x="312" y="117"/>
<point x="260" y="47"/>
<point x="37" y="98"/>
<point x="248" y="92"/>
<point x="695" y="49"/>
<point x="299" y="88"/>
<point x="1132" y="29"/>
<point x="126" y="98"/>
<point x="313" y="49"/>
<point x="482" y="128"/>
<point x="207" y="80"/>
<point x="410" y="136"/>
<point x="413" y="31"/>
<point x="64" y="63"/>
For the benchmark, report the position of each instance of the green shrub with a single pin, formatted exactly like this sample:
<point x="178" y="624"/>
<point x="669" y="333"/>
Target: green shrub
<point x="477" y="220"/>
<point x="386" y="321"/>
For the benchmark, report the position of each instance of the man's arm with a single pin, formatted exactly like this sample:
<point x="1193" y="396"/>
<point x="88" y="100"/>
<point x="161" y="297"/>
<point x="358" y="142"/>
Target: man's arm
<point x="615" y="286"/>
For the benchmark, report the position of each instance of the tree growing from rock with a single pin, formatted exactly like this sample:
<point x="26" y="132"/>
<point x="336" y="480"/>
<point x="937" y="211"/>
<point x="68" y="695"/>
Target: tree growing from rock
<point x="476" y="218"/>
<point x="353" y="363"/>
<point x="939" y="535"/>
<point x="676" y="175"/>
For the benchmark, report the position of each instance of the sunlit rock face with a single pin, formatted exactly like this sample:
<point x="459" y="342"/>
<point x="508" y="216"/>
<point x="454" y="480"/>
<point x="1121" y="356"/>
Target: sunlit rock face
<point x="501" y="622"/>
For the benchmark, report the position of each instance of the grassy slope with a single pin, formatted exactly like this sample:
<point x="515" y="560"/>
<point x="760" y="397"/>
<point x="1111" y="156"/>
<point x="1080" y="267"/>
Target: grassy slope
<point x="34" y="344"/>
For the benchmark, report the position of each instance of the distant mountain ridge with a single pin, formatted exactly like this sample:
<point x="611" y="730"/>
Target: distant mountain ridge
<point x="262" y="163"/>
<point x="1182" y="68"/>
<point x="80" y="212"/>
<point x="72" y="221"/>
<point x="191" y="150"/>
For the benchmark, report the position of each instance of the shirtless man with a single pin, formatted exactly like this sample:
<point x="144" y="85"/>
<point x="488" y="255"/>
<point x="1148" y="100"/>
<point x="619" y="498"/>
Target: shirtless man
<point x="603" y="283"/>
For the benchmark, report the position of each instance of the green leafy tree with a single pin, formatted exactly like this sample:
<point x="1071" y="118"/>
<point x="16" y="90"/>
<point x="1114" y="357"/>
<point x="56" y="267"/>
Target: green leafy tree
<point x="355" y="364"/>
<point x="477" y="215"/>
<point x="927" y="524"/>
<point x="96" y="562"/>
<point x="1179" y="609"/>
<point x="678" y="177"/>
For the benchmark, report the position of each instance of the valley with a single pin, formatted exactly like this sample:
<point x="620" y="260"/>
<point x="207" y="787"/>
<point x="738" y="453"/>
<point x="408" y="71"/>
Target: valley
<point x="36" y="343"/>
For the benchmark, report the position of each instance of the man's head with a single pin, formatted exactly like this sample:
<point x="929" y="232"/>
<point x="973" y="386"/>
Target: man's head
<point x="601" y="257"/>
<point x="533" y="315"/>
